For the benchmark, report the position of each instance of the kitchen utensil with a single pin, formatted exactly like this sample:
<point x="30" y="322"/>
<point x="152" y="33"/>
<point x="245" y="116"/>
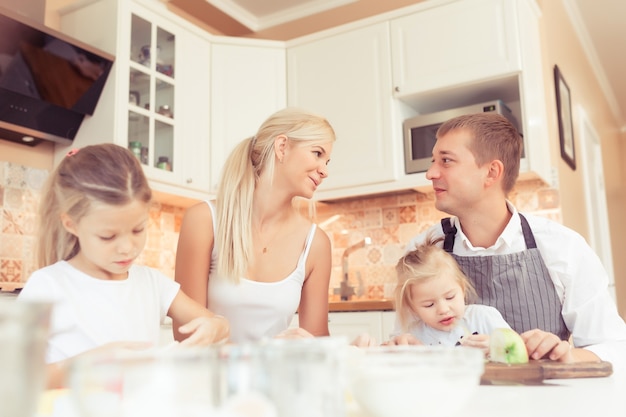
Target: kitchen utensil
<point x="23" y="338"/>
<point x="540" y="370"/>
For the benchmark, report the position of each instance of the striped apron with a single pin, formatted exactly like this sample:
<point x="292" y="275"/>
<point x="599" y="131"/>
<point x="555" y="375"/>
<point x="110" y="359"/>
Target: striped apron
<point x="517" y="284"/>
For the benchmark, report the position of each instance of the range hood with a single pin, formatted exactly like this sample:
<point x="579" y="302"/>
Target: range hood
<point x="49" y="82"/>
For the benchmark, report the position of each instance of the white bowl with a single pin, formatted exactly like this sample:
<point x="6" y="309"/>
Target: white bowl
<point x="428" y="381"/>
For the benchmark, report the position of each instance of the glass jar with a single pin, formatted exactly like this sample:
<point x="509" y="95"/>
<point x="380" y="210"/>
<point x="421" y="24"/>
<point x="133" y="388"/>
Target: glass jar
<point x="164" y="163"/>
<point x="135" y="147"/>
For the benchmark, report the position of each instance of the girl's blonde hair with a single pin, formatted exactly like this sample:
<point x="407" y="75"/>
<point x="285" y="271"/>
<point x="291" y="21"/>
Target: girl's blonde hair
<point x="242" y="170"/>
<point x="105" y="173"/>
<point x="426" y="261"/>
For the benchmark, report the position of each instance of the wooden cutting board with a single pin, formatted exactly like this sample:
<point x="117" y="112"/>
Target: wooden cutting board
<point x="537" y="371"/>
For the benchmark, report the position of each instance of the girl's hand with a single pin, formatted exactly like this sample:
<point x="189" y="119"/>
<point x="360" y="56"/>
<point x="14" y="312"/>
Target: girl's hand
<point x="205" y="331"/>
<point x="480" y="341"/>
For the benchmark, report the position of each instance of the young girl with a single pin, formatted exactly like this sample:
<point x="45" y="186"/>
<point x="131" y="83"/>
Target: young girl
<point x="94" y="217"/>
<point x="251" y="256"/>
<point x="430" y="302"/>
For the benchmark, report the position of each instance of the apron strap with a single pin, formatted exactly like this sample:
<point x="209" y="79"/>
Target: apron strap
<point x="450" y="232"/>
<point x="529" y="238"/>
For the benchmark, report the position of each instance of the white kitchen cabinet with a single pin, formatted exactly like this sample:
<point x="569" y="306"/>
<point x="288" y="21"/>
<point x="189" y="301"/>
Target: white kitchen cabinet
<point x="388" y="322"/>
<point x="248" y="84"/>
<point x="452" y="44"/>
<point x="444" y="54"/>
<point x="157" y="95"/>
<point x="353" y="324"/>
<point x="346" y="77"/>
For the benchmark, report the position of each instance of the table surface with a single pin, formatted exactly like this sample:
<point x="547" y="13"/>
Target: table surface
<point x="590" y="397"/>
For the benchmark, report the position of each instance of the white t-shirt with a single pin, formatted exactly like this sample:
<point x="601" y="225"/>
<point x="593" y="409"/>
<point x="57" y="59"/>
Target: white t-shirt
<point x="478" y="318"/>
<point x="90" y="312"/>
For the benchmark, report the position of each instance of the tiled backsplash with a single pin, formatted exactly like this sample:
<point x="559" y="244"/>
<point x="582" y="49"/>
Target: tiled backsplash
<point x="389" y="220"/>
<point x="20" y="192"/>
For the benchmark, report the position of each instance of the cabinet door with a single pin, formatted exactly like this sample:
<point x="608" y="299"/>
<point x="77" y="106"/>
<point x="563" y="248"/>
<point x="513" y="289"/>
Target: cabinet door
<point x="452" y="44"/>
<point x="388" y="322"/>
<point x="347" y="78"/>
<point x="193" y="101"/>
<point x="248" y="84"/>
<point x="352" y="324"/>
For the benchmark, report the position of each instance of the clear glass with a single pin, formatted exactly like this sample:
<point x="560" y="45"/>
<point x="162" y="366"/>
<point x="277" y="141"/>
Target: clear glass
<point x="23" y="339"/>
<point x="388" y="381"/>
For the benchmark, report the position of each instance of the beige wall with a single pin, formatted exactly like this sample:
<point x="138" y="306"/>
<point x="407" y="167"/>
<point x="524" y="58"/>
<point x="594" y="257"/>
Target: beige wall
<point x="40" y="156"/>
<point x="562" y="47"/>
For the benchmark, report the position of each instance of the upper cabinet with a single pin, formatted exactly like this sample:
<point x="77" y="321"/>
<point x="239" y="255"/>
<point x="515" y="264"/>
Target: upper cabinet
<point x="346" y="77"/>
<point x="157" y="100"/>
<point x="182" y="98"/>
<point x="367" y="77"/>
<point x="248" y="84"/>
<point x="453" y="44"/>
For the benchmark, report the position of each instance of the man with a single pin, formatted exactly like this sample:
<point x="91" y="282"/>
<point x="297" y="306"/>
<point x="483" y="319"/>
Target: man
<point x="543" y="277"/>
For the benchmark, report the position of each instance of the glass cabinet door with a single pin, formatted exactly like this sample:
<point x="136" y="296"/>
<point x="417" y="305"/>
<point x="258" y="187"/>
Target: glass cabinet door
<point x="151" y="109"/>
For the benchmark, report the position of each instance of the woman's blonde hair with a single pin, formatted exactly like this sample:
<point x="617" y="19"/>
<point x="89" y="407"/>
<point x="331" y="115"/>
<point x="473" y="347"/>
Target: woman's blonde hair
<point x="426" y="261"/>
<point x="242" y="170"/>
<point x="105" y="173"/>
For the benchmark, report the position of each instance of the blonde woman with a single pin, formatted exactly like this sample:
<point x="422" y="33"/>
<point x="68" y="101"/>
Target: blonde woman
<point x="250" y="256"/>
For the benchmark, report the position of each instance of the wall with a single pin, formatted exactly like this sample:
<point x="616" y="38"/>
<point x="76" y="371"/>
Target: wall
<point x="390" y="221"/>
<point x="561" y="46"/>
<point x="20" y="193"/>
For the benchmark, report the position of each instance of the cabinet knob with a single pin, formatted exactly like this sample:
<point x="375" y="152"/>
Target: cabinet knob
<point x="189" y="180"/>
<point x="396" y="89"/>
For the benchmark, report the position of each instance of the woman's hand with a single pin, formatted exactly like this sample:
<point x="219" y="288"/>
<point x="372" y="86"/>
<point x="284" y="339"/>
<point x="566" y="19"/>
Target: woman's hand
<point x="294" y="333"/>
<point x="364" y="340"/>
<point x="205" y="331"/>
<point x="403" y="339"/>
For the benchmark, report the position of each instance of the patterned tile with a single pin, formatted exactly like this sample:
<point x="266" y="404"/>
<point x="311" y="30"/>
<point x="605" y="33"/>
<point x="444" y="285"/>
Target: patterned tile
<point x="11" y="246"/>
<point x="407" y="214"/>
<point x="10" y="270"/>
<point x="390" y="216"/>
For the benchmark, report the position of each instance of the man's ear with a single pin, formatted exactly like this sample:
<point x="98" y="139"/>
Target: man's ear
<point x="68" y="223"/>
<point x="495" y="171"/>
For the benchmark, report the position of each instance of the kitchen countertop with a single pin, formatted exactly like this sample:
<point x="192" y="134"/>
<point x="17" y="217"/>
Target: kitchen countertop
<point x="360" y="305"/>
<point x="560" y="397"/>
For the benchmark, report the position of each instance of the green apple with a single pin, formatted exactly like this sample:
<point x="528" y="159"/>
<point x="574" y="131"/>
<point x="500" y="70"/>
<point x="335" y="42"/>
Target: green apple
<point x="507" y="346"/>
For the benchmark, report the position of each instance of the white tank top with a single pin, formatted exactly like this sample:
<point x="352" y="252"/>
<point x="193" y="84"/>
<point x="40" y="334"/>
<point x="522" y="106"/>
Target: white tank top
<point x="257" y="310"/>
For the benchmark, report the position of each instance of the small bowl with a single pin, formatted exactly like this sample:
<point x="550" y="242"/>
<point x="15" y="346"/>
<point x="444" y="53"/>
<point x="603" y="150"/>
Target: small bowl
<point x="431" y="381"/>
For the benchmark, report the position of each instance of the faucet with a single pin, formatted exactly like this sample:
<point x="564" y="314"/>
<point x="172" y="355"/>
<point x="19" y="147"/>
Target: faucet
<point x="346" y="291"/>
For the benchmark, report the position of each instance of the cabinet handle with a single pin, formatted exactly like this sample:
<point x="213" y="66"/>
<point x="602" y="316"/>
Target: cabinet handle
<point x="189" y="180"/>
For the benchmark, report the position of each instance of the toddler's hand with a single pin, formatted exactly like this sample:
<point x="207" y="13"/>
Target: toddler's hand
<point x="205" y="330"/>
<point x="480" y="341"/>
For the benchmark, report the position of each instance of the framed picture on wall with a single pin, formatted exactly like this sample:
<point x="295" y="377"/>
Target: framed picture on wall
<point x="564" y="113"/>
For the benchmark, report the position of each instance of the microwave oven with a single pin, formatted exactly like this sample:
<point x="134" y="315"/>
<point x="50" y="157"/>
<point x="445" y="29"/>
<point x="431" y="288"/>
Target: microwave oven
<point x="420" y="132"/>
